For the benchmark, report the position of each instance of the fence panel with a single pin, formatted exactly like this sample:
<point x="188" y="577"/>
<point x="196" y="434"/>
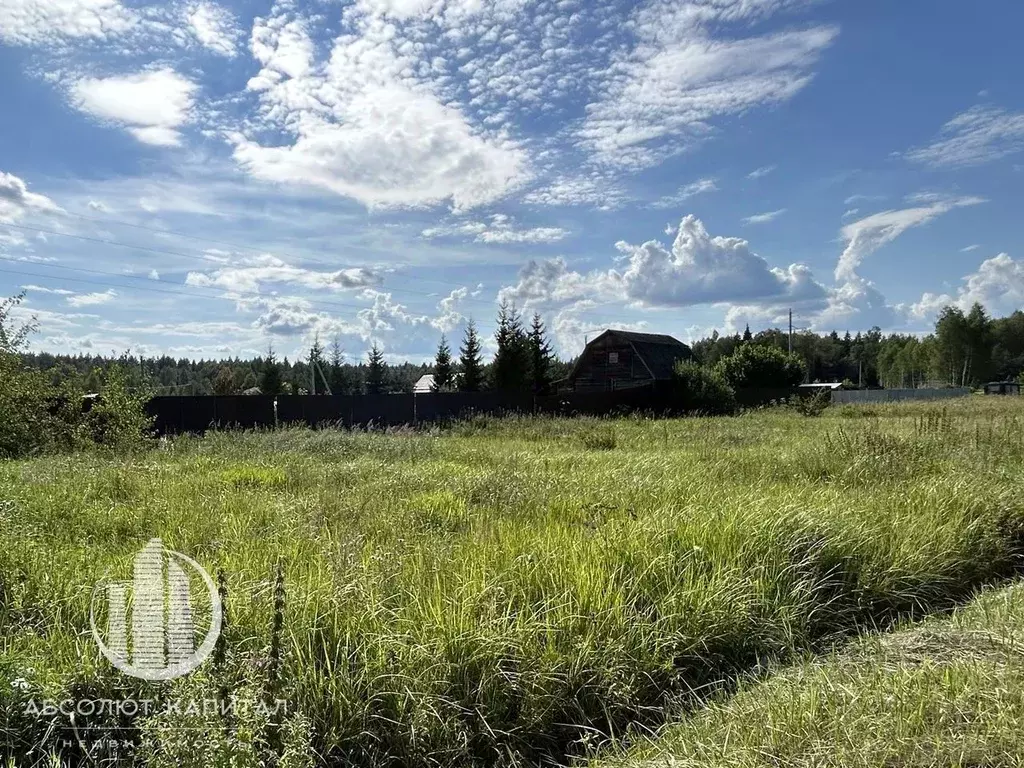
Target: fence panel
<point x="896" y="395"/>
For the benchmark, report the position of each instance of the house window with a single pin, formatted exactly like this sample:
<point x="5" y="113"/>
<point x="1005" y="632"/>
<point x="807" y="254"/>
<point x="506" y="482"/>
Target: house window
<point x="613" y="358"/>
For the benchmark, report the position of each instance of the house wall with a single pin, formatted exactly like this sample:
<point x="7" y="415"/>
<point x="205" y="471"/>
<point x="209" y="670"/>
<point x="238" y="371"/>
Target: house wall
<point x="596" y="374"/>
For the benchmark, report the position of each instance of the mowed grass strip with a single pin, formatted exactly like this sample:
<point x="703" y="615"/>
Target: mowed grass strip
<point x="511" y="590"/>
<point x="948" y="692"/>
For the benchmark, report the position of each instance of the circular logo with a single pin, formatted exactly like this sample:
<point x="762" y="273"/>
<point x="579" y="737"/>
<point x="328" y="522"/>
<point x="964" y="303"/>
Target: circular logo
<point x="161" y="628"/>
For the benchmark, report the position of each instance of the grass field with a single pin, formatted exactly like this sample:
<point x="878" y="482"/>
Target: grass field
<point x="947" y="692"/>
<point x="503" y="591"/>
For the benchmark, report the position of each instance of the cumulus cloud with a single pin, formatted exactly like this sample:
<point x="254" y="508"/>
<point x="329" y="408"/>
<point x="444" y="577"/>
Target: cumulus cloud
<point x="696" y="269"/>
<point x="764" y="218"/>
<point x="998" y="285"/>
<point x="150" y="105"/>
<point x="685" y="192"/>
<point x="16" y="200"/>
<point x="214" y="27"/>
<point x="979" y="135"/>
<point x="499" y="229"/>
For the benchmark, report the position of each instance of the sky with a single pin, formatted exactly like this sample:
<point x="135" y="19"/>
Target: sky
<point x="210" y="179"/>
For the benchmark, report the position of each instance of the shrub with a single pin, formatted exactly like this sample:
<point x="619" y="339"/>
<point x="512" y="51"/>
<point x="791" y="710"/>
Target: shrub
<point x="813" y="404"/>
<point x="762" y="366"/>
<point x="37" y="416"/>
<point x="702" y="389"/>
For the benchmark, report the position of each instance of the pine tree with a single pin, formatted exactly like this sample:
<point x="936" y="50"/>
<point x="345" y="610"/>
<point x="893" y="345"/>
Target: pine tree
<point x="541" y="357"/>
<point x="510" y="370"/>
<point x="376" y="371"/>
<point x="747" y="335"/>
<point x="270" y="376"/>
<point x="470" y="361"/>
<point x="444" y="374"/>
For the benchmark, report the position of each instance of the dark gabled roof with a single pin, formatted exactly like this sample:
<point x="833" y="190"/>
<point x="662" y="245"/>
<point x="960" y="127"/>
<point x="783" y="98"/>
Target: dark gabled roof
<point x="658" y="351"/>
<point x="646" y="338"/>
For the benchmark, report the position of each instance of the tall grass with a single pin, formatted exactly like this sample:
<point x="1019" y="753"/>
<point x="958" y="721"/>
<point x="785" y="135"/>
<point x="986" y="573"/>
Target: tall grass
<point x="510" y="590"/>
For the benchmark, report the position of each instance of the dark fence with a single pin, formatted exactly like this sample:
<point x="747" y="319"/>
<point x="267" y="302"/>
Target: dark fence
<point x="199" y="413"/>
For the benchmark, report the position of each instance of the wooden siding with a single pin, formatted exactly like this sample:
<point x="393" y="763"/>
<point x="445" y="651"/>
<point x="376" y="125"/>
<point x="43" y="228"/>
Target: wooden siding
<point x="596" y="374"/>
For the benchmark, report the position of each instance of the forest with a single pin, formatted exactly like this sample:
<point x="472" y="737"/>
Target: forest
<point x="964" y="349"/>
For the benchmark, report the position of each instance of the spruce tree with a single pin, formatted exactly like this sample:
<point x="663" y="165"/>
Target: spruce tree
<point x="270" y="376"/>
<point x="540" y="356"/>
<point x="747" y="335"/>
<point x="376" y="371"/>
<point x="510" y="370"/>
<point x="471" y="361"/>
<point x="337" y="378"/>
<point x="444" y="373"/>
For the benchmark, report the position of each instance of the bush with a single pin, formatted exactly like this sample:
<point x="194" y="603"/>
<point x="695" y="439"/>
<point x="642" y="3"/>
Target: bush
<point x="703" y="390"/>
<point x="37" y="416"/>
<point x="763" y="367"/>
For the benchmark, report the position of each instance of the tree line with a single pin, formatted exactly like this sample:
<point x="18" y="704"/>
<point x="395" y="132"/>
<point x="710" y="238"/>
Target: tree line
<point x="964" y="349"/>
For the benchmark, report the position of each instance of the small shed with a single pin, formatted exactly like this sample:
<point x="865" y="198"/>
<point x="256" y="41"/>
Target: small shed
<point x="625" y="359"/>
<point x="424" y="384"/>
<point x="1002" y="388"/>
<point x="820" y="386"/>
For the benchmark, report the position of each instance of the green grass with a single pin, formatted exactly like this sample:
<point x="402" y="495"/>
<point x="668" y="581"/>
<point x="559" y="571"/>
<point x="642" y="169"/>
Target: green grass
<point x="948" y="692"/>
<point x="508" y="590"/>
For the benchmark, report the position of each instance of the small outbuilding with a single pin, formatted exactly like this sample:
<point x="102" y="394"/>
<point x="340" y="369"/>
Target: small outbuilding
<point x="1002" y="388"/>
<point x="424" y="384"/>
<point x="624" y="359"/>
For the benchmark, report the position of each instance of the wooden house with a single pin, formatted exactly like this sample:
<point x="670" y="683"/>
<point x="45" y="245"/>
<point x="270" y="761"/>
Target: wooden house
<point x="1002" y="388"/>
<point x="624" y="359"/>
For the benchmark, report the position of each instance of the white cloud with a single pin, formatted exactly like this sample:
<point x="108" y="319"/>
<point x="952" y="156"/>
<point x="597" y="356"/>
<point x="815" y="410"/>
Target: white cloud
<point x="701" y="269"/>
<point x="98" y="206"/>
<point x="16" y="200"/>
<point x="979" y="135"/>
<point x="34" y="22"/>
<point x="91" y="299"/>
<point x="664" y="93"/>
<point x="42" y="289"/>
<point x="685" y="193"/>
<point x="850" y="213"/>
<point x="252" y="273"/>
<point x="366" y="127"/>
<point x="598" y="191"/>
<point x="764" y="218"/>
<point x="763" y="171"/>
<point x="150" y="105"/>
<point x="970" y="248"/>
<point x="998" y="285"/>
<point x="867" y="235"/>
<point x="697" y="269"/>
<point x="852" y="199"/>
<point x="214" y="27"/>
<point x="500" y="229"/>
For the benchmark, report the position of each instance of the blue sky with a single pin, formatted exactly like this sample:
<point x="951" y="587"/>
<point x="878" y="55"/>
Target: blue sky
<point x="205" y="179"/>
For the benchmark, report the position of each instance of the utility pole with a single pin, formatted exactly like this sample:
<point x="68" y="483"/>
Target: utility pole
<point x="791" y="331"/>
